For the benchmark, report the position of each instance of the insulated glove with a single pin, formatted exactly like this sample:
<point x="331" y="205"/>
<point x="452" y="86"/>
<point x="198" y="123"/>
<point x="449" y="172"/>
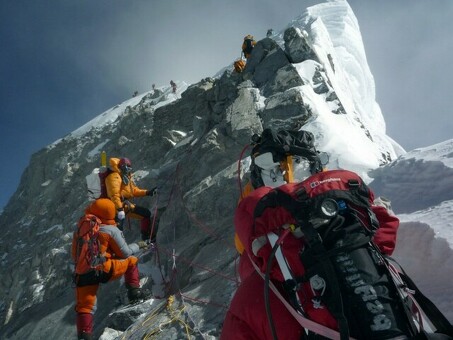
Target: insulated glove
<point x="121" y="215"/>
<point x="151" y="192"/>
<point x="142" y="244"/>
<point x="128" y="206"/>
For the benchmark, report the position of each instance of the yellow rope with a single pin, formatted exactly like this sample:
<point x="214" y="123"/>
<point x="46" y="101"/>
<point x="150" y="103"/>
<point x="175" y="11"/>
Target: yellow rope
<point x="175" y="315"/>
<point x="147" y="320"/>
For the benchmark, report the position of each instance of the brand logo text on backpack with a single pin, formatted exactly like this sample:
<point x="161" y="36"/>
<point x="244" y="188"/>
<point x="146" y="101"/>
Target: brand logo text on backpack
<point x="317" y="183"/>
<point x="365" y="291"/>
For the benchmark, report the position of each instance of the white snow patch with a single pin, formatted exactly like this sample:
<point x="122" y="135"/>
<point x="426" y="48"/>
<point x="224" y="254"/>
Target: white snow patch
<point x="181" y="133"/>
<point x="38" y="292"/>
<point x="439" y="218"/>
<point x="140" y="174"/>
<point x="55" y="251"/>
<point x="46" y="183"/>
<point x="56" y="226"/>
<point x="110" y="334"/>
<point x="442" y="152"/>
<point x="19" y="246"/>
<point x="9" y="313"/>
<point x="97" y="150"/>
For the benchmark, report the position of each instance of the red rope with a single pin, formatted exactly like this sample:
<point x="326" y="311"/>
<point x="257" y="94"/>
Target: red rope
<point x="205" y="228"/>
<point x="154" y="218"/>
<point x="203" y="301"/>
<point x="193" y="264"/>
<point x="158" y="263"/>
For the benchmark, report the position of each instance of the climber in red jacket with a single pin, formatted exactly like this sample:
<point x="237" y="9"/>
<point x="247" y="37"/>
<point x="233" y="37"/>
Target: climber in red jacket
<point x="247" y="317"/>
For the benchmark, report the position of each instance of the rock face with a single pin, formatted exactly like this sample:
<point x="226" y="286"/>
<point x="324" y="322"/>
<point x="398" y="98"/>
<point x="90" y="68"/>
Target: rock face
<point x="297" y="46"/>
<point x="201" y="134"/>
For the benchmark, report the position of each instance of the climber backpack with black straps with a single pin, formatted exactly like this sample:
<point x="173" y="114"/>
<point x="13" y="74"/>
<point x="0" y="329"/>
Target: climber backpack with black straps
<point x="86" y="245"/>
<point x="362" y="289"/>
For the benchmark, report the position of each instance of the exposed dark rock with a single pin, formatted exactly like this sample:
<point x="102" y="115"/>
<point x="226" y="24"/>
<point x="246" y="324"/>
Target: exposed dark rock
<point x="297" y="47"/>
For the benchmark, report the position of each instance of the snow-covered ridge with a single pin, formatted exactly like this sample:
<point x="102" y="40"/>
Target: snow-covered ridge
<point x="439" y="218"/>
<point x="355" y="80"/>
<point x="442" y="152"/>
<point x="111" y="115"/>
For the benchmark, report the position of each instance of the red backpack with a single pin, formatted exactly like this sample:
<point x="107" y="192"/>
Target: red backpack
<point x="86" y="246"/>
<point x="327" y="259"/>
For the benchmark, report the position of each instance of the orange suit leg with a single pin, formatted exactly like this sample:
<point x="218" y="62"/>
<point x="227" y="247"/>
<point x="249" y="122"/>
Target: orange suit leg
<point x="86" y="299"/>
<point x="120" y="266"/>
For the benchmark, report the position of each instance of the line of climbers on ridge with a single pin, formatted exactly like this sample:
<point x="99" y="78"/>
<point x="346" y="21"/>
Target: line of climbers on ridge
<point x="158" y="92"/>
<point x="247" y="47"/>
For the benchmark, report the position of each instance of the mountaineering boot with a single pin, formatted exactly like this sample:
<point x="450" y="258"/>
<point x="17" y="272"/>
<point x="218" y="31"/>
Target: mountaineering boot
<point x="135" y="294"/>
<point x="84" y="322"/>
<point x="85" y="336"/>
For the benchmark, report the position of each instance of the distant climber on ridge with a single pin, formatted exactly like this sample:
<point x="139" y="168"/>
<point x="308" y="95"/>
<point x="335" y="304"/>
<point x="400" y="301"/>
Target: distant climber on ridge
<point x="173" y="86"/>
<point x="248" y="45"/>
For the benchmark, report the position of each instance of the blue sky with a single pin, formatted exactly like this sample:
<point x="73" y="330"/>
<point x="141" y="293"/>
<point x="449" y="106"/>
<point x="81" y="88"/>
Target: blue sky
<point x="64" y="62"/>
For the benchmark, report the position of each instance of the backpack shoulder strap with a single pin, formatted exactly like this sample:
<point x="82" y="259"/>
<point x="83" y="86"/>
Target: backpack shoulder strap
<point x="94" y="222"/>
<point x="315" y="247"/>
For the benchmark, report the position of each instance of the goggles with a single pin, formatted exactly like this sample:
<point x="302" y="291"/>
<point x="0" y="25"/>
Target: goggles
<point x="127" y="169"/>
